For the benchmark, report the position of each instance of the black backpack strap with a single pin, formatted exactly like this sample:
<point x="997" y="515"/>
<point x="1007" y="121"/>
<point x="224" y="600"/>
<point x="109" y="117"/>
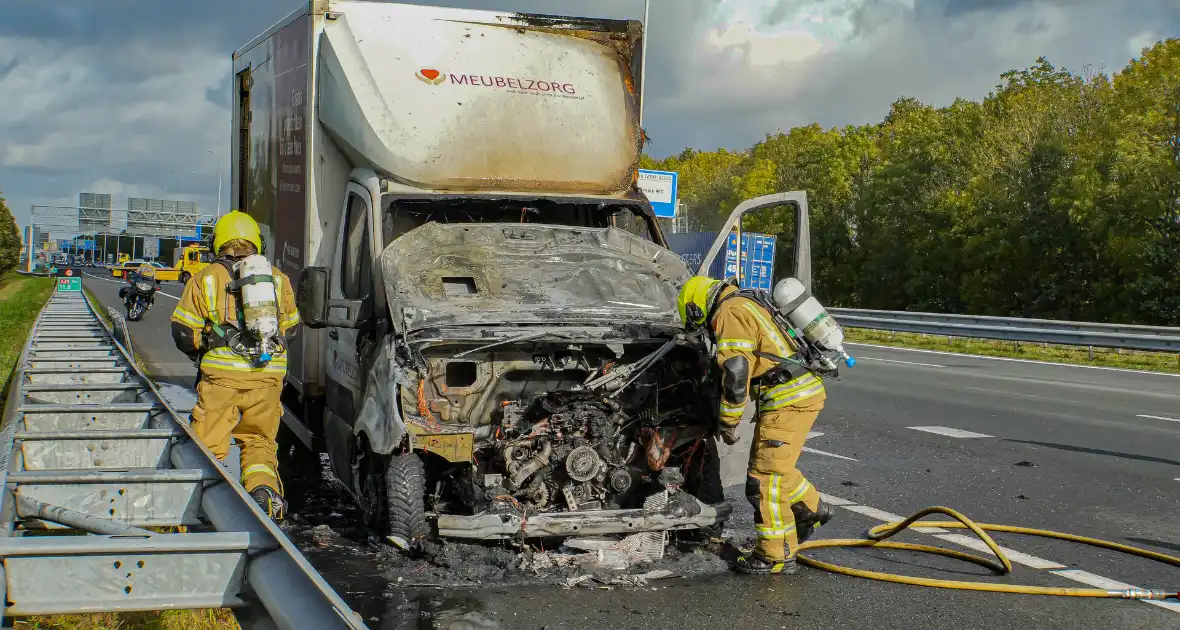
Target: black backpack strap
<point x="238" y="283"/>
<point x="797" y="302"/>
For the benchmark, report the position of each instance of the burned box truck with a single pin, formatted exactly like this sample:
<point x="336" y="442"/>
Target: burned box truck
<point x="491" y="345"/>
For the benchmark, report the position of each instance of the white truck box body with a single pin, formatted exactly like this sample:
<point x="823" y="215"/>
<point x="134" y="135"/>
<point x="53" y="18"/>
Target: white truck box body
<point x="435" y="101"/>
<point x="458" y="100"/>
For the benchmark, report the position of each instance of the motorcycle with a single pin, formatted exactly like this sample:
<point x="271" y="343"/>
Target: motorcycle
<point x="138" y="296"/>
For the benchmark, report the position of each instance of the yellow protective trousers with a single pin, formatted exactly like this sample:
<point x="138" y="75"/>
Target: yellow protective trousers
<point x="773" y="483"/>
<point x="251" y="417"/>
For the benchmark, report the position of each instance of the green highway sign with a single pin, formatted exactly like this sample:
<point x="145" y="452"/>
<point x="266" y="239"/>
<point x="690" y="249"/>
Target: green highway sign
<point x="65" y="285"/>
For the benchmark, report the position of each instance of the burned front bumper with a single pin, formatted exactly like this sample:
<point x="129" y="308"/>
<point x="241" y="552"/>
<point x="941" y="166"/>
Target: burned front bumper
<point x="688" y="513"/>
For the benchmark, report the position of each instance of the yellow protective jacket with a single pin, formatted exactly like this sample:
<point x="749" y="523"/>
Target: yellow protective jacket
<point x="207" y="300"/>
<point x="742" y="327"/>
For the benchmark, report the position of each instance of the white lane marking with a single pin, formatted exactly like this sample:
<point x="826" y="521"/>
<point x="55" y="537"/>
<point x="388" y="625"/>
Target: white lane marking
<point x="819" y="452"/>
<point x="972" y="542"/>
<point x="902" y="362"/>
<point x="1078" y="575"/>
<point x="835" y="500"/>
<point x="813" y="434"/>
<point x="888" y="517"/>
<point x="1097" y="581"/>
<point x="160" y="291"/>
<point x="949" y="432"/>
<point x="872" y="512"/>
<point x="1012" y="360"/>
<point x="1142" y="415"/>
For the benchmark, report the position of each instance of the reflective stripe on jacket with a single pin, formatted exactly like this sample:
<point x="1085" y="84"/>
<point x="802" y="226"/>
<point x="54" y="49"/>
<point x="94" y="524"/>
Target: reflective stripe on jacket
<point x="742" y="328"/>
<point x="206" y="299"/>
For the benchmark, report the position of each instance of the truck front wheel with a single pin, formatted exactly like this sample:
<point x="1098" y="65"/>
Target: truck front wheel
<point x="184" y="277"/>
<point x="392" y="493"/>
<point x="405" y="490"/>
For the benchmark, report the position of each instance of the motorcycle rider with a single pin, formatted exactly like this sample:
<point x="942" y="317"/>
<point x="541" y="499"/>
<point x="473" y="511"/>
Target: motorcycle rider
<point x="751" y="353"/>
<point x="143" y="273"/>
<point x="236" y="396"/>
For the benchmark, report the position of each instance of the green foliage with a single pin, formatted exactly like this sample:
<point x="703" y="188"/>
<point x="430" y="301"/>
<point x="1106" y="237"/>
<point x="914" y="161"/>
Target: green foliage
<point x="1056" y="196"/>
<point x="21" y="299"/>
<point x="9" y="239"/>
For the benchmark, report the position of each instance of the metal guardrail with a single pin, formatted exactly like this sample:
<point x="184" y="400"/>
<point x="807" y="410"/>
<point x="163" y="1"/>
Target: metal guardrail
<point x="119" y="331"/>
<point x="1126" y="337"/>
<point x="89" y="446"/>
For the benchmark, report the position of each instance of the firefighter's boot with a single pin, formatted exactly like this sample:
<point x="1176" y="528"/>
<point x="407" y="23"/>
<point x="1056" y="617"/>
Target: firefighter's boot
<point x="272" y="502"/>
<point x="754" y="564"/>
<point x="806" y="521"/>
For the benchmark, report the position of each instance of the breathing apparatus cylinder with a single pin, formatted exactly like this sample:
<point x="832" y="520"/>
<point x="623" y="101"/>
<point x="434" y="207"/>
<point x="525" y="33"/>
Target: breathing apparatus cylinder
<point x="260" y="302"/>
<point x="807" y="315"/>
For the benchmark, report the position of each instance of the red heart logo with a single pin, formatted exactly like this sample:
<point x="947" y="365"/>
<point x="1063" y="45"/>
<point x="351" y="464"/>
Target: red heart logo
<point x="429" y="73"/>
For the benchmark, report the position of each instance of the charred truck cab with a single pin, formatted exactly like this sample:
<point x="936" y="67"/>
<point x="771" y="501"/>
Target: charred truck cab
<point x="491" y="345"/>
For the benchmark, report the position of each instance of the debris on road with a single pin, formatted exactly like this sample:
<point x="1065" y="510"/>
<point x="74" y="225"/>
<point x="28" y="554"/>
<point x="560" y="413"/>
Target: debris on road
<point x="629" y="580"/>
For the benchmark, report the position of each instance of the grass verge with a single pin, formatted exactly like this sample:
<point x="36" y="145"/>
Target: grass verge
<point x="1102" y="357"/>
<point x="21" y="299"/>
<point x="164" y="620"/>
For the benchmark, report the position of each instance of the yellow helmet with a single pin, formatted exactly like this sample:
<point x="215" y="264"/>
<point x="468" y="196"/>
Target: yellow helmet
<point x="147" y="271"/>
<point x="695" y="293"/>
<point x="233" y="226"/>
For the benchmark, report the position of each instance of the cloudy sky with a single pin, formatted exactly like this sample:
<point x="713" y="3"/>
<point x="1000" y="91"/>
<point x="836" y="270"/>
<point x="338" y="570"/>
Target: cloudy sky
<point x="131" y="97"/>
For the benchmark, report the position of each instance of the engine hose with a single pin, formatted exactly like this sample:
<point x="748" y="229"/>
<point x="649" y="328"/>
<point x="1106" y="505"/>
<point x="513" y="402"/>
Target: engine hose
<point x="877" y="538"/>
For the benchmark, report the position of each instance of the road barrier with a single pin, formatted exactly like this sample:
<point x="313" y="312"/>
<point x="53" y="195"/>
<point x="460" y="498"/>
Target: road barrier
<point x="119" y="330"/>
<point x="1125" y="337"/>
<point x="89" y="446"/>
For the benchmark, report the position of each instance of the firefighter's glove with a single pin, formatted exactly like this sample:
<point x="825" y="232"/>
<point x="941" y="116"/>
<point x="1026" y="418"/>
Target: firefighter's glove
<point x="728" y="433"/>
<point x="206" y="341"/>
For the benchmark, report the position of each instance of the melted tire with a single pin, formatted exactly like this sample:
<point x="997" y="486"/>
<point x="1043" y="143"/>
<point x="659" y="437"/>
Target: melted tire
<point x="405" y="490"/>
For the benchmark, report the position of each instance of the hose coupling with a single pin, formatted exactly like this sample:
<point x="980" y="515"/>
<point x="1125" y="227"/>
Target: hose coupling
<point x="1143" y="593"/>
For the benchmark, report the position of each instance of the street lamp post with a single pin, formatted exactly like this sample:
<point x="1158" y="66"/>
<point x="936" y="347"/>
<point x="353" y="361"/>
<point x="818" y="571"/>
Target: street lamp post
<point x="643" y="59"/>
<point x="220" y="176"/>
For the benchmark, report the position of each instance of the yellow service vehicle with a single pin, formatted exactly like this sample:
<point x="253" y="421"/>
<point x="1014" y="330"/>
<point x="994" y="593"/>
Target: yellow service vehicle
<point x="163" y="273"/>
<point x="189" y="260"/>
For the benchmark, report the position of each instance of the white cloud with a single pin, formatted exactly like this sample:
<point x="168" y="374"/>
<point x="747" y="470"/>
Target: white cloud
<point x="130" y="119"/>
<point x="752" y="78"/>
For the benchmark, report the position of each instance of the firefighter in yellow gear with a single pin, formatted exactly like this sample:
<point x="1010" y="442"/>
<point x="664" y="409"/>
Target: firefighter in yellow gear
<point x="751" y="353"/>
<point x="236" y="396"/>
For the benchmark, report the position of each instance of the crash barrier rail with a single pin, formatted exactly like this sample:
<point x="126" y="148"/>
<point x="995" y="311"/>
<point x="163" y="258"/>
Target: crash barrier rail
<point x="1120" y="336"/>
<point x="119" y="330"/>
<point x="92" y="455"/>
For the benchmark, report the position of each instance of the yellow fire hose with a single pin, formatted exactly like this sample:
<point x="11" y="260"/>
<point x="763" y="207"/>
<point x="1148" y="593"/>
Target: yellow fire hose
<point x="877" y="538"/>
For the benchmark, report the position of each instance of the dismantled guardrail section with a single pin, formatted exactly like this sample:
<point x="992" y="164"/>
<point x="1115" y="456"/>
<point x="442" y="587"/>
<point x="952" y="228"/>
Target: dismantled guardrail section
<point x="1125" y="337"/>
<point x="93" y="457"/>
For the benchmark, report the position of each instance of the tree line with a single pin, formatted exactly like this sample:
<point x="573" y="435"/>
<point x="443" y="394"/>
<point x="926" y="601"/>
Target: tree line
<point x="9" y="239"/>
<point x="1056" y="196"/>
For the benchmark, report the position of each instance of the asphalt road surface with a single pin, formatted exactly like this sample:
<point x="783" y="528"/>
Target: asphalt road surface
<point x="1088" y="451"/>
<point x="151" y="335"/>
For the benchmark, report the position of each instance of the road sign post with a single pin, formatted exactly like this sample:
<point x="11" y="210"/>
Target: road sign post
<point x="660" y="187"/>
<point x="71" y="284"/>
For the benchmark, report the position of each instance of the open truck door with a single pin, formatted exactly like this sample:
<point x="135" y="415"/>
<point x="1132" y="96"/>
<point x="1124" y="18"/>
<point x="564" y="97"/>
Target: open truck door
<point x="340" y="298"/>
<point x="734" y="459"/>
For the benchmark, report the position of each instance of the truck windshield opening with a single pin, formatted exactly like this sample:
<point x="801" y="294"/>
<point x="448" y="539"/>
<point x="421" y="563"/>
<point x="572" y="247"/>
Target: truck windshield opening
<point x="402" y="215"/>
